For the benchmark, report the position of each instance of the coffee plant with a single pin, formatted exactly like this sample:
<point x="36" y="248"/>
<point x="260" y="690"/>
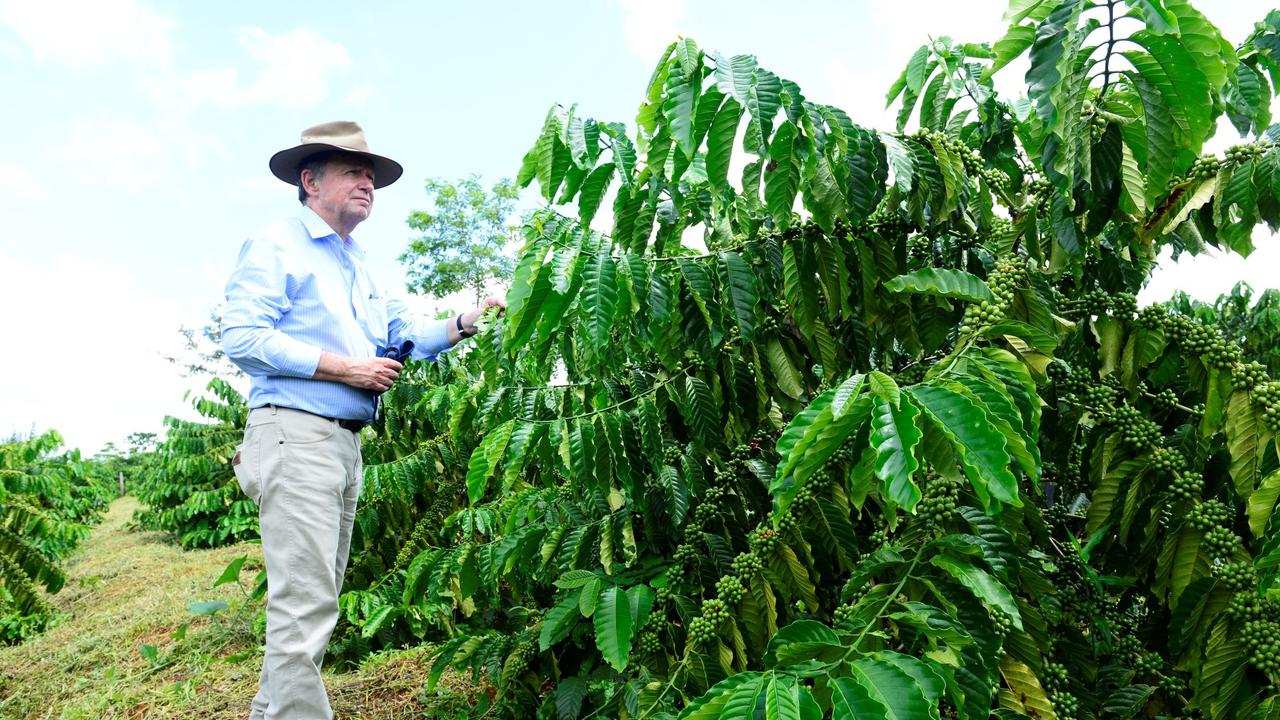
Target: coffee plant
<point x="189" y="490"/>
<point x="843" y="422"/>
<point x="48" y="499"/>
<point x="860" y="423"/>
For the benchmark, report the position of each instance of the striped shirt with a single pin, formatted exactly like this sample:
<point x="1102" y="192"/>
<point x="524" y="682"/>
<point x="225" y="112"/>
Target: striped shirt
<point x="298" y="289"/>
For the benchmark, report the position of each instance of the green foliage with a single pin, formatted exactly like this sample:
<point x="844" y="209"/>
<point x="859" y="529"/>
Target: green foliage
<point x="189" y="490"/>
<point x="48" y="499"/>
<point x="464" y="237"/>
<point x="912" y="453"/>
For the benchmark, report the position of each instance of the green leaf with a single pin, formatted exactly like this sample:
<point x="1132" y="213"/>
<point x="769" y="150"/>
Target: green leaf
<point x="1127" y="701"/>
<point x="206" y="607"/>
<point x="784" y="373"/>
<point x="710" y="705"/>
<point x="381" y="617"/>
<point x="593" y="192"/>
<point x="614" y="627"/>
<point x="724" y="128"/>
<point x="986" y="588"/>
<point x="599" y="298"/>
<point x="484" y="460"/>
<point x="741" y="289"/>
<point x="895" y="433"/>
<point x="782" y="175"/>
<point x="1026" y="687"/>
<point x="1262" y="503"/>
<point x="889" y="687"/>
<point x="980" y="445"/>
<point x="232" y="571"/>
<point x="1247" y="440"/>
<point x="851" y="700"/>
<point x="558" y="621"/>
<point x="942" y="282"/>
<point x="884" y="387"/>
<point x="679" y="109"/>
<point x="1008" y="48"/>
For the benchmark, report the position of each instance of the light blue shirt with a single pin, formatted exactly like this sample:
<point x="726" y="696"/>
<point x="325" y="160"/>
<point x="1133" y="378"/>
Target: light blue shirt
<point x="298" y="289"/>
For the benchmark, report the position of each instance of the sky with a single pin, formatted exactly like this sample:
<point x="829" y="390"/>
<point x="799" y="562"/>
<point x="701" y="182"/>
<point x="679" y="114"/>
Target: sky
<point x="137" y="132"/>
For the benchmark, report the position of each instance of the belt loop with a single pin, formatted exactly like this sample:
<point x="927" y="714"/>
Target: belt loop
<point x="275" y="409"/>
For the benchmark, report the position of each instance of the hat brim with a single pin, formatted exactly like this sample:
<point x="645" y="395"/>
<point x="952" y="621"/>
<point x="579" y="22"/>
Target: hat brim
<point x="285" y="163"/>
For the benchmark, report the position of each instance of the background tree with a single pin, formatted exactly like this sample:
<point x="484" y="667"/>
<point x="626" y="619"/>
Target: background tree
<point x="202" y="355"/>
<point x="464" y="238"/>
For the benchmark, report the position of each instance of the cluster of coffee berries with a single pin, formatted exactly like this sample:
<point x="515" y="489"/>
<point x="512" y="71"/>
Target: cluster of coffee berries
<point x="1167" y="461"/>
<point x="920" y="250"/>
<point x="1204" y="168"/>
<point x="1135" y="429"/>
<point x="1208" y="514"/>
<point x="1187" y="485"/>
<point x="1268" y="396"/>
<point x="1242" y="153"/>
<point x="764" y="541"/>
<point x="1262" y="637"/>
<point x="1172" y="684"/>
<point x="1246" y="376"/>
<point x="715" y="611"/>
<point x="1001" y="622"/>
<point x="730" y="589"/>
<point x="1198" y="338"/>
<point x="1127" y="646"/>
<point x="844" y="614"/>
<point x="701" y="631"/>
<point x="1054" y="677"/>
<point x="1003" y="281"/>
<point x="1236" y="575"/>
<point x="1166" y="399"/>
<point x="650" y="643"/>
<point x="1094" y="302"/>
<point x="1220" y="542"/>
<point x="747" y="564"/>
<point x="941" y="498"/>
<point x="1066" y="706"/>
<point x="1148" y="663"/>
<point x="518" y="661"/>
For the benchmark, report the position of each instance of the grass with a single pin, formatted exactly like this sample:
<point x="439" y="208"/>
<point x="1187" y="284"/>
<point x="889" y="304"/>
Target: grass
<point x="129" y="590"/>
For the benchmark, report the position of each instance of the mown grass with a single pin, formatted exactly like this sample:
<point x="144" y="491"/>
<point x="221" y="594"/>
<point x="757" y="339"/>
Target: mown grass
<point x="127" y="590"/>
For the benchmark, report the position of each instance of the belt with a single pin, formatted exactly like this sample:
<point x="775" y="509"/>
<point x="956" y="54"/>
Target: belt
<point x="354" y="426"/>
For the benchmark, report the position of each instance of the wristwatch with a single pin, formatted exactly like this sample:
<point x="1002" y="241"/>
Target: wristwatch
<point x="462" y="331"/>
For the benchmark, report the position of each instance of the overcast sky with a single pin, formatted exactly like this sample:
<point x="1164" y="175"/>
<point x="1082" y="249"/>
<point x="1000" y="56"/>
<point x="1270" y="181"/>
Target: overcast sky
<point x="136" y="137"/>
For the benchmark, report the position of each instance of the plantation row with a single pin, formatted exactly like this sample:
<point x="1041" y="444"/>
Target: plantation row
<point x="913" y="452"/>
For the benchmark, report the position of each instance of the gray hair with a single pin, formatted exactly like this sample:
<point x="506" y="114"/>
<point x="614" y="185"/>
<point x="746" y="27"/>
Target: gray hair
<point x="317" y="164"/>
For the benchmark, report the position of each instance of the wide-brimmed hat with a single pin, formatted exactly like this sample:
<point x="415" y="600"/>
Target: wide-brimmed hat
<point x="338" y="135"/>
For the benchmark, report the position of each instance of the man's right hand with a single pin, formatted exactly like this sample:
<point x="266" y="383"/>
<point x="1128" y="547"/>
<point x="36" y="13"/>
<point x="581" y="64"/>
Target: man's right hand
<point x="376" y="374"/>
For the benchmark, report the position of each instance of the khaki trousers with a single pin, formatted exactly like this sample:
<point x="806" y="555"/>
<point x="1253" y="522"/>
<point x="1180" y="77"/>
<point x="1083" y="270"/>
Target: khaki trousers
<point x="304" y="473"/>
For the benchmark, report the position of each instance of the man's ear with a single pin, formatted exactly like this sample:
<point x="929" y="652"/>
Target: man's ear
<point x="308" y="182"/>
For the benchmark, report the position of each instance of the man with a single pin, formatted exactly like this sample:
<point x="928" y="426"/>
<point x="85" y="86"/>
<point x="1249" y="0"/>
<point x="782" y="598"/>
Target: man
<point x="313" y="330"/>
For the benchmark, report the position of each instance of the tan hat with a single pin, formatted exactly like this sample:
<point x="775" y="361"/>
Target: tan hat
<point x="338" y="135"/>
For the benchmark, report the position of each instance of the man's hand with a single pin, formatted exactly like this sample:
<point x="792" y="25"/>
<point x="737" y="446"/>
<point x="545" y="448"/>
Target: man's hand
<point x="471" y="317"/>
<point x="376" y="374"/>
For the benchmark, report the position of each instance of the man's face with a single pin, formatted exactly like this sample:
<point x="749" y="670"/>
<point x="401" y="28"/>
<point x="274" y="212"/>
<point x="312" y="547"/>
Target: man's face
<point x="344" y="192"/>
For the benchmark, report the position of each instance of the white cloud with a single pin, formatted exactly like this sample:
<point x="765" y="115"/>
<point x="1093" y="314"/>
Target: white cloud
<point x="20" y="183"/>
<point x="86" y="33"/>
<point x="293" y="70"/>
<point x="297" y="66"/>
<point x="98" y="374"/>
<point x="649" y="26"/>
<point x="130" y="158"/>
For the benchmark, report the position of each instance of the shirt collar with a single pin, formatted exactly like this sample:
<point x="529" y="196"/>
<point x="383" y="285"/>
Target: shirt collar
<point x="318" y="229"/>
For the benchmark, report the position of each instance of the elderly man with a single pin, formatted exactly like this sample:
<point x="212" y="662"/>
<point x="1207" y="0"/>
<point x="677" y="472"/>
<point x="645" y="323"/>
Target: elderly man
<point x="320" y="340"/>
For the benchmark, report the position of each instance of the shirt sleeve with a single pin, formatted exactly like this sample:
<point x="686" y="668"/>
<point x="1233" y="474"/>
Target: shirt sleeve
<point x="430" y="337"/>
<point x="257" y="298"/>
